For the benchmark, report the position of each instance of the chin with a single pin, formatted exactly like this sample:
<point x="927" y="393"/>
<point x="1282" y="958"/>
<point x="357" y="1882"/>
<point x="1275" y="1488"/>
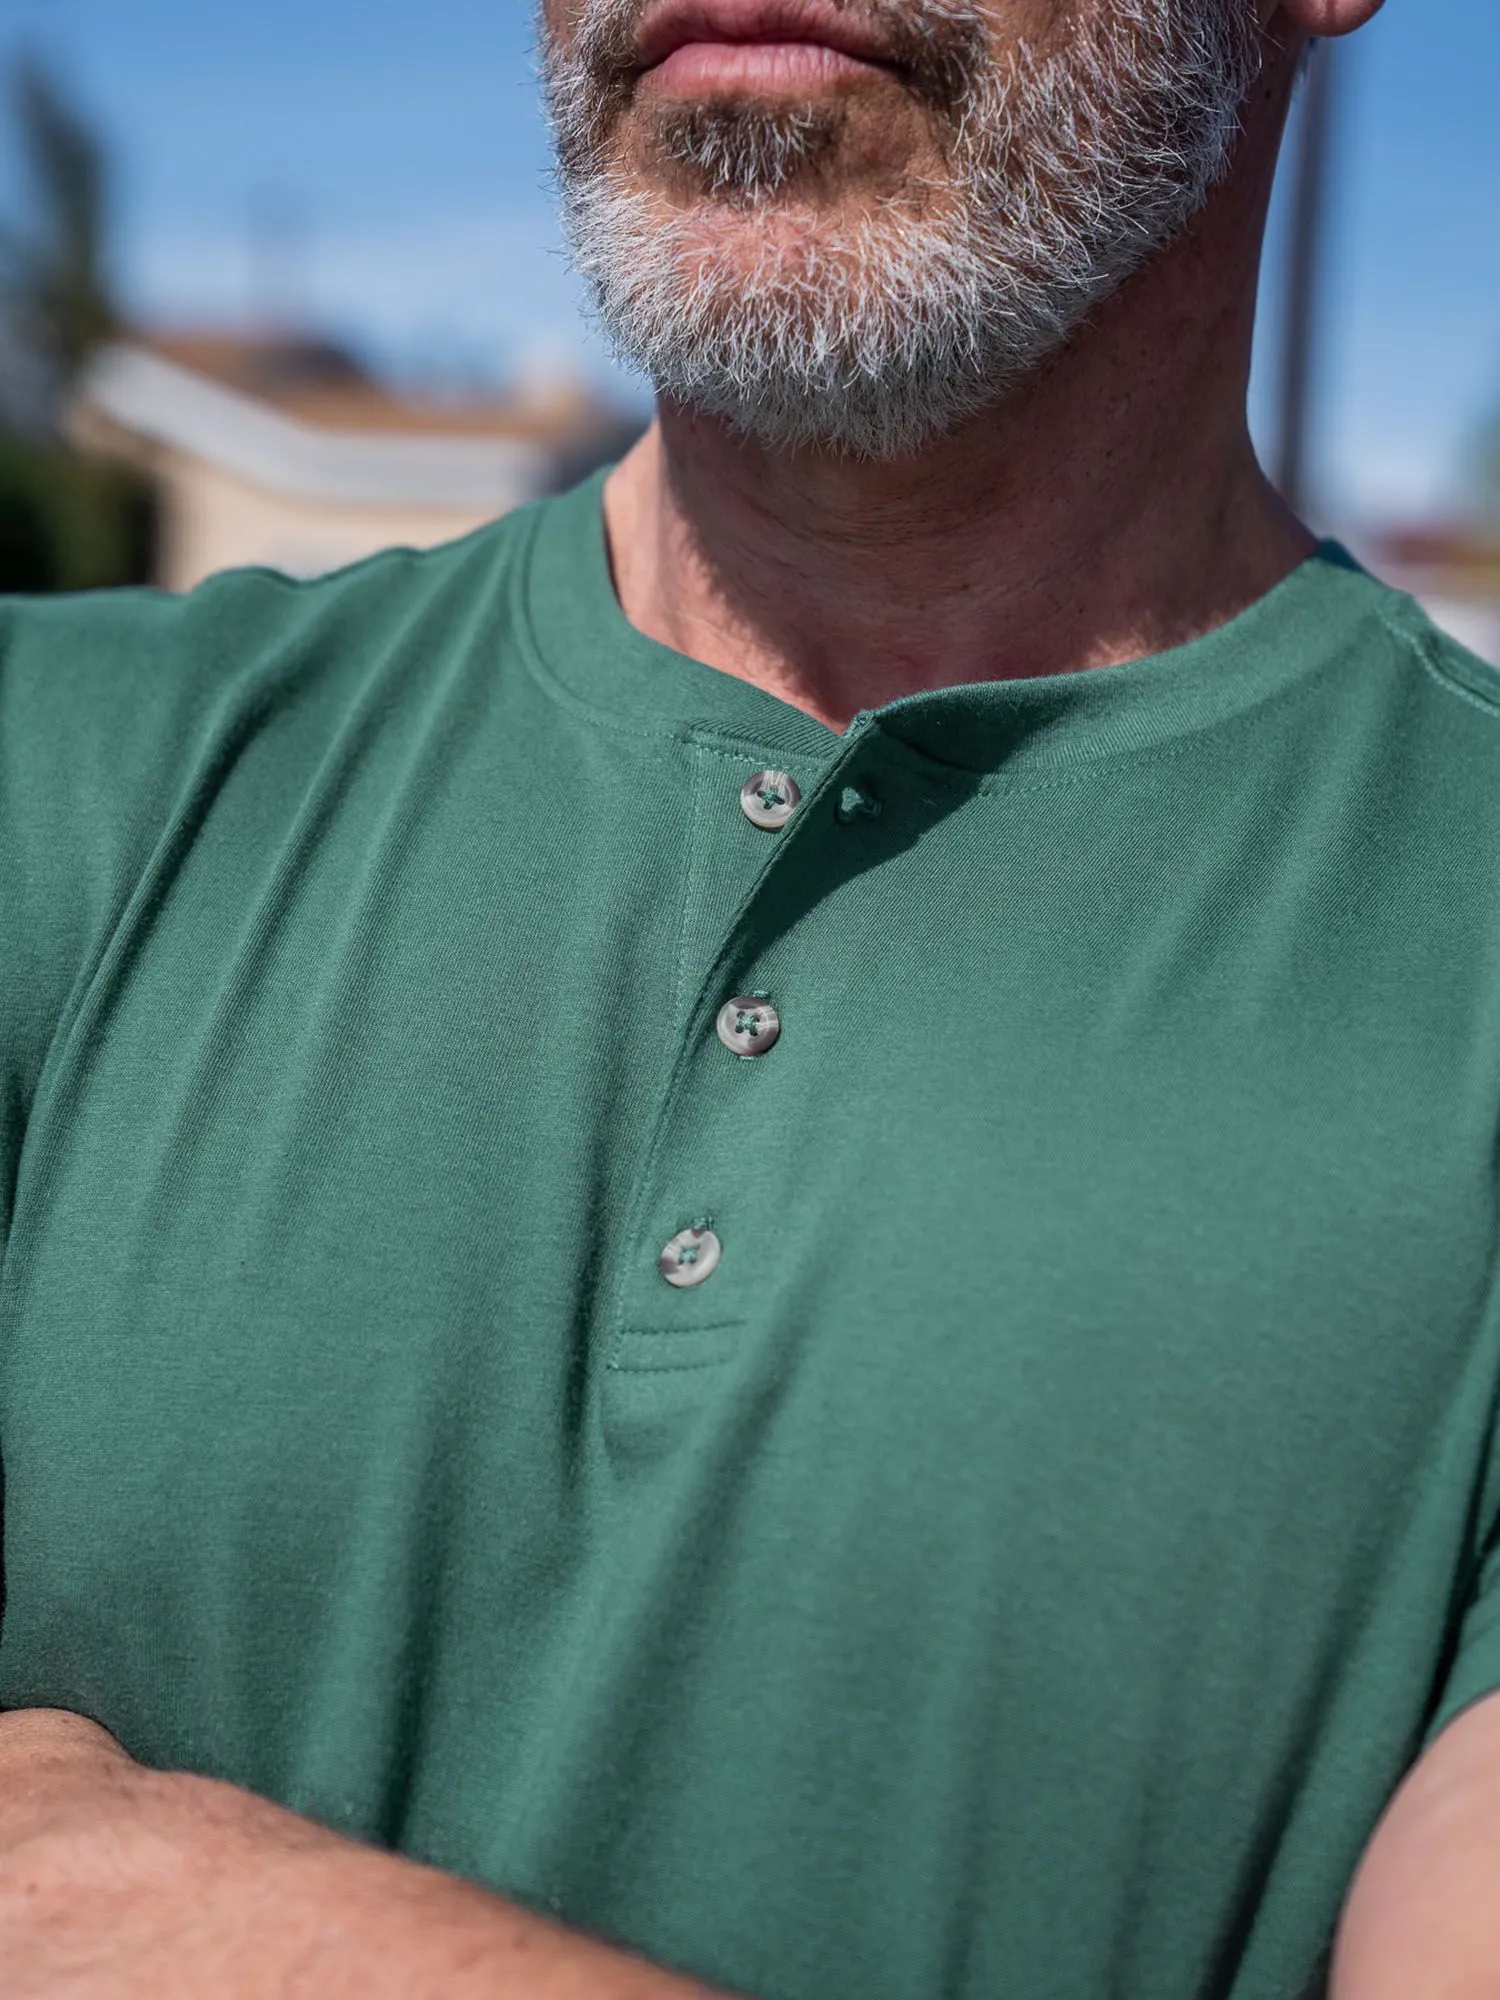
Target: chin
<point x="781" y="231"/>
<point x="824" y="234"/>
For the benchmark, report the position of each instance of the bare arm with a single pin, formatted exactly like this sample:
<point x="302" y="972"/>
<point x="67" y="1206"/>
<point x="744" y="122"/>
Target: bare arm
<point x="1423" y="1918"/>
<point x="118" y="1883"/>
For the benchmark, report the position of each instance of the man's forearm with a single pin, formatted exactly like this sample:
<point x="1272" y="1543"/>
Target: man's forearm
<point x="118" y="1883"/>
<point x="1423" y="1918"/>
<point x="365" y="1926"/>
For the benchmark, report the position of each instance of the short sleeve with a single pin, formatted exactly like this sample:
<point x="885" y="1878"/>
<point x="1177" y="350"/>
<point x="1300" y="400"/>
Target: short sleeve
<point x="60" y="812"/>
<point x="122" y="714"/>
<point x="105" y="702"/>
<point x="1473" y="1672"/>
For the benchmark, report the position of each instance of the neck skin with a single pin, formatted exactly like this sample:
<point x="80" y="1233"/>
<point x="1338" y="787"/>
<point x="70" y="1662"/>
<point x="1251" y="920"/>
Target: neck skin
<point x="1108" y="509"/>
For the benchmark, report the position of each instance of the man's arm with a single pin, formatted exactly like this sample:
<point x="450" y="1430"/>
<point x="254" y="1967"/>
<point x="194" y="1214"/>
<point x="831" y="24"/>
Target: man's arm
<point x="1422" y="1921"/>
<point x="119" y="1883"/>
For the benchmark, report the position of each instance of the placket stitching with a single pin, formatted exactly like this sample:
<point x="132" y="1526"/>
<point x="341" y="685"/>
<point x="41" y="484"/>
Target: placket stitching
<point x="635" y="1243"/>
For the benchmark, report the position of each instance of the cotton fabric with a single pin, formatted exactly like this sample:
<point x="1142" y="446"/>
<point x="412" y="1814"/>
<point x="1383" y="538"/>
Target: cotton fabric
<point x="1030" y="1562"/>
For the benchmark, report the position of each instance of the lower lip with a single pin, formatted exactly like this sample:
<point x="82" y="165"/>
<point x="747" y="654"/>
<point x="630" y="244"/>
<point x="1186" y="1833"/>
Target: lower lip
<point x="757" y="66"/>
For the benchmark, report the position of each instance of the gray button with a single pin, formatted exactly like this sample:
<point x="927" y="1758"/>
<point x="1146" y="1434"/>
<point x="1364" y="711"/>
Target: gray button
<point x="770" y="798"/>
<point x="691" y="1256"/>
<point x="748" y="1025"/>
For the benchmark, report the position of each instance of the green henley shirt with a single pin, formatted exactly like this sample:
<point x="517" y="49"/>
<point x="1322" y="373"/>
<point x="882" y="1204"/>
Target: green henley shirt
<point x="1029" y="1562"/>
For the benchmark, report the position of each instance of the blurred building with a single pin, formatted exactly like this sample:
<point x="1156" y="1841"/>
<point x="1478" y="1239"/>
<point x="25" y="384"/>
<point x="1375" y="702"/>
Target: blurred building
<point x="282" y="450"/>
<point x="1455" y="572"/>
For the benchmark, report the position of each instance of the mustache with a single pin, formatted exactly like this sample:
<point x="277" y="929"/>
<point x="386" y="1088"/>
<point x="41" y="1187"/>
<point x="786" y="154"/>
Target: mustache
<point x="940" y="49"/>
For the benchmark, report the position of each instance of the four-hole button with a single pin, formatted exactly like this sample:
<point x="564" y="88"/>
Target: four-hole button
<point x="769" y="799"/>
<point x="748" y="1025"/>
<point x="691" y="1256"/>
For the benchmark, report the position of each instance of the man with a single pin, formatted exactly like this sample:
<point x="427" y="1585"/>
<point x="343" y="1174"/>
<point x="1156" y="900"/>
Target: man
<point x="758" y="1219"/>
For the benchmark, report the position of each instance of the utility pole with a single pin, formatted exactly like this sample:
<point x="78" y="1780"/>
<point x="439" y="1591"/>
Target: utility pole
<point x="1305" y="272"/>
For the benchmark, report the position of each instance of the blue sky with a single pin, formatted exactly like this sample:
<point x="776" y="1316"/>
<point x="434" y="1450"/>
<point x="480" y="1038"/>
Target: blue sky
<point x="400" y="142"/>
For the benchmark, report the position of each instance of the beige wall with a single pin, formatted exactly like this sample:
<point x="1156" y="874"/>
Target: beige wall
<point x="1450" y="601"/>
<point x="212" y="520"/>
<point x="1474" y="622"/>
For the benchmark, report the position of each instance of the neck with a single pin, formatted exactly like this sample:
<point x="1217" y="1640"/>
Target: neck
<point x="1108" y="509"/>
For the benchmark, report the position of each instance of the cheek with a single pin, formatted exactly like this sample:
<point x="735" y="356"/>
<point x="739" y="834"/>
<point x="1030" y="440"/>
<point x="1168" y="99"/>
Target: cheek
<point x="557" y="20"/>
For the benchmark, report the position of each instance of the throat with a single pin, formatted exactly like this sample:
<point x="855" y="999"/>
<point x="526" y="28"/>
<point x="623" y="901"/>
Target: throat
<point x="839" y="586"/>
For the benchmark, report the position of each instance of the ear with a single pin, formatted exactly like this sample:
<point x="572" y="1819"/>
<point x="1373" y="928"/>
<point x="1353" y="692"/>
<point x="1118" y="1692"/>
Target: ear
<point x="1320" y="17"/>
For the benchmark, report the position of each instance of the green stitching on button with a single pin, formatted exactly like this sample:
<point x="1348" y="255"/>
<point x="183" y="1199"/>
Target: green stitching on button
<point x="747" y="1024"/>
<point x="856" y="803"/>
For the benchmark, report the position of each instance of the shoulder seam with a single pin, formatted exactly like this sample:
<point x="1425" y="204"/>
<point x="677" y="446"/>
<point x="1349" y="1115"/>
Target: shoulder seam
<point x="394" y="555"/>
<point x="399" y="554"/>
<point x="1432" y="665"/>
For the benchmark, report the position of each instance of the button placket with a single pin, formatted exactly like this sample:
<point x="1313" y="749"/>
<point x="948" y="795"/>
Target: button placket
<point x="748" y="1023"/>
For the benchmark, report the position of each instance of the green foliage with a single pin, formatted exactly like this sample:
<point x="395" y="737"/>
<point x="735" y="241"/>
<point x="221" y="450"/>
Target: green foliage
<point x="53" y="266"/>
<point x="66" y="524"/>
<point x="28" y="559"/>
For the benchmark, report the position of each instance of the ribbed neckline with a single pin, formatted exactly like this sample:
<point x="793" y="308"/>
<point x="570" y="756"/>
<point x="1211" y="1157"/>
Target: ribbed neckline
<point x="586" y="644"/>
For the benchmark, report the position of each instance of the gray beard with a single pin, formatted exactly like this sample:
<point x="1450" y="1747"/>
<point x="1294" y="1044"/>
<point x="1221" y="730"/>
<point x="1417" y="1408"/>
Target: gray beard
<point x="747" y="153"/>
<point x="1067" y="173"/>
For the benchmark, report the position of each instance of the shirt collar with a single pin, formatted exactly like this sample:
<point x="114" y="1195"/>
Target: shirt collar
<point x="584" y="642"/>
